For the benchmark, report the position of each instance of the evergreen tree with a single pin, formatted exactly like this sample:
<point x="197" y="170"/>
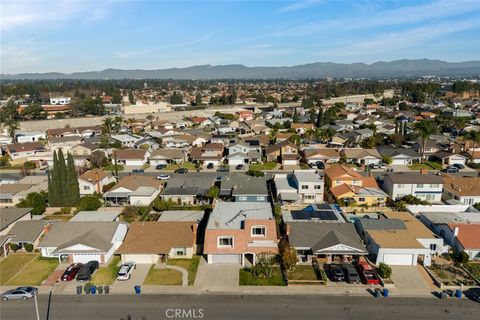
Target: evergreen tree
<point x="61" y="172"/>
<point x="320" y="119"/>
<point x="73" y="188"/>
<point x="312" y="116"/>
<point x="295" y="116"/>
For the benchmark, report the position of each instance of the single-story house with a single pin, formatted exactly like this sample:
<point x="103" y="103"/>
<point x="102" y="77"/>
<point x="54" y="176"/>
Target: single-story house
<point x="130" y="157"/>
<point x="28" y="232"/>
<point x="139" y="190"/>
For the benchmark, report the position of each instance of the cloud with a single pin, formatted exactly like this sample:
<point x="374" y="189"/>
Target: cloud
<point x="300" y="5"/>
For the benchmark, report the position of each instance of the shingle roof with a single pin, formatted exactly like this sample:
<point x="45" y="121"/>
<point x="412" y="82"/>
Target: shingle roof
<point x="27" y="231"/>
<point x="130" y="154"/>
<point x="9" y="215"/>
<point x="134" y="182"/>
<point x="413" y="178"/>
<point x="462" y="186"/>
<point x="91" y="175"/>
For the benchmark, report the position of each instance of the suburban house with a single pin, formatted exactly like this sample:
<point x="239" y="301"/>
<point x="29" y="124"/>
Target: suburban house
<point x="244" y="153"/>
<point x="400" y="156"/>
<point x="83" y="149"/>
<point x="138" y="190"/>
<point x="28" y="232"/>
<point x="304" y="186"/>
<point x="185" y="189"/>
<point x="237" y="232"/>
<point x="284" y="152"/>
<point x="131" y="157"/>
<point x="448" y="158"/>
<point x="240" y="187"/>
<point x="325" y="155"/>
<point x="328" y="242"/>
<point x="127" y="140"/>
<point x="149" y="242"/>
<point x="167" y="156"/>
<point x="64" y="143"/>
<point x="84" y="132"/>
<point x="99" y="215"/>
<point x="20" y="151"/>
<point x="398" y="238"/>
<point x="315" y="212"/>
<point x="301" y="128"/>
<point x="93" y="181"/>
<point x="427" y="187"/>
<point x="29" y="136"/>
<point x="12" y="193"/>
<point x="209" y="153"/>
<point x="10" y="216"/>
<point x="83" y="241"/>
<point x="466" y="190"/>
<point x="362" y="156"/>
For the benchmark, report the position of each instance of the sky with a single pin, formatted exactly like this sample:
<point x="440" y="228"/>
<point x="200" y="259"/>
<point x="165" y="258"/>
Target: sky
<point x="71" y="36"/>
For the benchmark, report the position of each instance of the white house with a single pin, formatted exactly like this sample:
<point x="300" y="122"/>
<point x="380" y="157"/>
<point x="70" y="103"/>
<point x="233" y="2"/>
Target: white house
<point x="127" y="140"/>
<point x="93" y="181"/>
<point x="427" y="187"/>
<point x="29" y="136"/>
<point x="139" y="190"/>
<point x="132" y="157"/>
<point x="304" y="186"/>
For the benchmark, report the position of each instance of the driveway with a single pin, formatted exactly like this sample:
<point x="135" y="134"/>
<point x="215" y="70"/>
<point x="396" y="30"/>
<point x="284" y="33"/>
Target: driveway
<point x="138" y="277"/>
<point x="220" y="277"/>
<point x="411" y="279"/>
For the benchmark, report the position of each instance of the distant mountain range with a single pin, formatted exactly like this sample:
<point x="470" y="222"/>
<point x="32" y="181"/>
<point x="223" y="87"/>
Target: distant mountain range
<point x="392" y="69"/>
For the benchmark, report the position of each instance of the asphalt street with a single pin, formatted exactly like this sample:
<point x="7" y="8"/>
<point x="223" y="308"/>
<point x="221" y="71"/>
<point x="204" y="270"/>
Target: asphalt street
<point x="218" y="306"/>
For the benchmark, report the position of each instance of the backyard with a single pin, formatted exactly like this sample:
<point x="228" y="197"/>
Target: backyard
<point x="247" y="279"/>
<point x="163" y="277"/>
<point x="191" y="265"/>
<point x="25" y="269"/>
<point x="106" y="275"/>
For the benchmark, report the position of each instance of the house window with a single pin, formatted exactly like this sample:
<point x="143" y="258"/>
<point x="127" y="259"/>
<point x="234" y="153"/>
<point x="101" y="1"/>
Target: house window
<point x="242" y="198"/>
<point x="304" y="186"/>
<point x="435" y="185"/>
<point x="433" y="246"/>
<point x="86" y="187"/>
<point x="260" y="198"/>
<point x="419" y="185"/>
<point x="361" y="199"/>
<point x="380" y="199"/>
<point x="180" y="251"/>
<point x="317" y="187"/>
<point x="430" y="197"/>
<point x="258" y="231"/>
<point x="309" y="197"/>
<point x="225" y="242"/>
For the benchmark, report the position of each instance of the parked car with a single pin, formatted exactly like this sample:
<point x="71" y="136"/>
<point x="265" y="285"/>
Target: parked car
<point x="218" y="179"/>
<point x="451" y="169"/>
<point x="210" y="166"/>
<point x="23" y="293"/>
<point x="336" y="273"/>
<point x="181" y="170"/>
<point x="459" y="166"/>
<point x="163" y="176"/>
<point x="320" y="165"/>
<point x="160" y="166"/>
<point x="351" y="274"/>
<point x="86" y="271"/>
<point x="313" y="165"/>
<point x="382" y="165"/>
<point x="374" y="166"/>
<point x="240" y="167"/>
<point x="138" y="171"/>
<point x="222" y="169"/>
<point x="71" y="272"/>
<point x="125" y="271"/>
<point x="367" y="272"/>
<point x="473" y="294"/>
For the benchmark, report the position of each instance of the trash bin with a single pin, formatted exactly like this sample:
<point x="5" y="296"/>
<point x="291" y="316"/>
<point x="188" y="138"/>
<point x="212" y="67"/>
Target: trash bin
<point x="378" y="293"/>
<point x="385" y="292"/>
<point x="458" y="294"/>
<point x="79" y="290"/>
<point x="107" y="289"/>
<point x="443" y="295"/>
<point x="137" y="289"/>
<point x="93" y="290"/>
<point x="100" y="289"/>
<point x="86" y="289"/>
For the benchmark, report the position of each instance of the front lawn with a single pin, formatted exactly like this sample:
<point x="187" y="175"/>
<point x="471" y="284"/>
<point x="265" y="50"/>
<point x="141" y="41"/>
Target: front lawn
<point x="106" y="275"/>
<point x="303" y="272"/>
<point x="187" y="165"/>
<point x="429" y="165"/>
<point x="111" y="167"/>
<point x="191" y="265"/>
<point x="262" y="166"/>
<point x="247" y="279"/>
<point x="35" y="273"/>
<point x="163" y="277"/>
<point x="12" y="264"/>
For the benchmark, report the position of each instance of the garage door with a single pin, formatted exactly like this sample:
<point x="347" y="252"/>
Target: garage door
<point x="84" y="258"/>
<point x="226" y="258"/>
<point x="398" y="259"/>
<point x="140" y="258"/>
<point x="399" y="161"/>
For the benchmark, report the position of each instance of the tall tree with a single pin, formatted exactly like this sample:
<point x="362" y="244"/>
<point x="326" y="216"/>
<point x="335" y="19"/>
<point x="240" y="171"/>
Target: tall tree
<point x="312" y="116"/>
<point x="320" y="119"/>
<point x="474" y="136"/>
<point x="295" y="116"/>
<point x="72" y="180"/>
<point x="425" y="129"/>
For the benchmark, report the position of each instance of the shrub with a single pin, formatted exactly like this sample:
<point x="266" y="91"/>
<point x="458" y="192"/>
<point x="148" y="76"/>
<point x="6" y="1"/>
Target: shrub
<point x="288" y="256"/>
<point x="35" y="200"/>
<point x="89" y="203"/>
<point x="384" y="270"/>
<point x="462" y="257"/>
<point x="66" y="210"/>
<point x="14" y="247"/>
<point x="28" y="247"/>
<point x="255" y="173"/>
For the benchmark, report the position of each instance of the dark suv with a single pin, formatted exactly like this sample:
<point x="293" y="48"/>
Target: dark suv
<point x="86" y="271"/>
<point x="181" y="170"/>
<point x="336" y="273"/>
<point x="351" y="273"/>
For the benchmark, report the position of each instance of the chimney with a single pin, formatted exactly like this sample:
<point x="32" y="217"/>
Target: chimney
<point x="97" y="181"/>
<point x="288" y="229"/>
<point x="455" y="232"/>
<point x="423" y="171"/>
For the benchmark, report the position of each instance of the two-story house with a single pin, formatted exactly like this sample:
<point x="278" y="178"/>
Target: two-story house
<point x="463" y="189"/>
<point x="93" y="181"/>
<point x="244" y="153"/>
<point x="284" y="152"/>
<point x="427" y="187"/>
<point x="301" y="186"/>
<point x="237" y="232"/>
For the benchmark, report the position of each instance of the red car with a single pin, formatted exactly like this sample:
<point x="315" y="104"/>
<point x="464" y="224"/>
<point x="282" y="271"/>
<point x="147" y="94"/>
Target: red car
<point x="71" y="272"/>
<point x="367" y="272"/>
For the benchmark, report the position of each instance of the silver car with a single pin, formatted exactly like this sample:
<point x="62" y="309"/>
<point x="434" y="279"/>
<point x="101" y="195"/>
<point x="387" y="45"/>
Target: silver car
<point x="125" y="272"/>
<point x="23" y="293"/>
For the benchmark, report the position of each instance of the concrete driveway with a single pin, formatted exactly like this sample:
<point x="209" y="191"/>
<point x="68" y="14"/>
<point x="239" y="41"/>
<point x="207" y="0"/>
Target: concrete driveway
<point x="137" y="279"/>
<point x="413" y="279"/>
<point x="222" y="277"/>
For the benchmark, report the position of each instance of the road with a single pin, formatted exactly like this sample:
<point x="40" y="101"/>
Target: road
<point x="212" y="306"/>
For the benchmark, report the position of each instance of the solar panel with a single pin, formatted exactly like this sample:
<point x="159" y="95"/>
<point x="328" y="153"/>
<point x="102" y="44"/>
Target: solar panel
<point x="318" y="214"/>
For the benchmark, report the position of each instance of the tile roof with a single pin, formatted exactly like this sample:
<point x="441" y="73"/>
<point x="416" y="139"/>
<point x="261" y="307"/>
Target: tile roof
<point x="92" y="175"/>
<point x="468" y="235"/>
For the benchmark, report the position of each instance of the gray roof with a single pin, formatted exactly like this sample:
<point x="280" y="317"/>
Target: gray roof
<point x="392" y="152"/>
<point x="181" y="215"/>
<point x="96" y="216"/>
<point x="26" y="231"/>
<point x="321" y="236"/>
<point x="10" y="215"/>
<point x="242" y="184"/>
<point x="381" y="224"/>
<point x="409" y="178"/>
<point x="231" y="215"/>
<point x="96" y="234"/>
<point x="321" y="212"/>
<point x="180" y="191"/>
<point x="307" y="176"/>
<point x="452" y="217"/>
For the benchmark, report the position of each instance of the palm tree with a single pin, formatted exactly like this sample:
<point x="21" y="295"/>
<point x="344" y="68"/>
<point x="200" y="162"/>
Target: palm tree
<point x="425" y="129"/>
<point x="475" y="137"/>
<point x="150" y="118"/>
<point x="107" y="126"/>
<point x="117" y="123"/>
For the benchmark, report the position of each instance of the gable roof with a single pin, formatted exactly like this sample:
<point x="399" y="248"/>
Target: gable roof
<point x="158" y="237"/>
<point x="130" y="154"/>
<point x="338" y="171"/>
<point x="92" y="175"/>
<point x="462" y="186"/>
<point x="468" y="235"/>
<point x="27" y="231"/>
<point x="326" y="152"/>
<point x="134" y="182"/>
<point x="10" y="215"/>
<point x="361" y="153"/>
<point x="414" y="178"/>
<point x="279" y="146"/>
<point x="25" y="147"/>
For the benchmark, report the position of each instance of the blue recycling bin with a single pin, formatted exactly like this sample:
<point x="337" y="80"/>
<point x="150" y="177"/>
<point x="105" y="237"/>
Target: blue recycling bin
<point x="93" y="290"/>
<point x="385" y="292"/>
<point x="137" y="289"/>
<point x="458" y="294"/>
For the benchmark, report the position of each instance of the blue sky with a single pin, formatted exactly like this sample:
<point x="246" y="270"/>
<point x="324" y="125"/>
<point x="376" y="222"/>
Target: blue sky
<point x="69" y="36"/>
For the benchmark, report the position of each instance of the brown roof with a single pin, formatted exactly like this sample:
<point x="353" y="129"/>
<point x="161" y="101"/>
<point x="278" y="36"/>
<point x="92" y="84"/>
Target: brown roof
<point x="336" y="172"/>
<point x="158" y="237"/>
<point x="278" y="146"/>
<point x="213" y="146"/>
<point x="22" y="147"/>
<point x="327" y="152"/>
<point x="13" y="188"/>
<point x="302" y="125"/>
<point x="130" y="154"/>
<point x="462" y="186"/>
<point x="92" y="175"/>
<point x="283" y="135"/>
<point x="134" y="182"/>
<point x="263" y="139"/>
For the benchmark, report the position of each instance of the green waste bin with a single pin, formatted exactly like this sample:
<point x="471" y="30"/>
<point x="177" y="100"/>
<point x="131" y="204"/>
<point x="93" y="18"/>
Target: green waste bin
<point x="107" y="289"/>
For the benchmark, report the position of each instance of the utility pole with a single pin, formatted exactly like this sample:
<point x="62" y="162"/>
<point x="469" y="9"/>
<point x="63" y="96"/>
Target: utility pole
<point x="36" y="306"/>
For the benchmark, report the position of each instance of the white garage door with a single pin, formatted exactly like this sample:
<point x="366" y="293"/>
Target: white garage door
<point x="399" y="161"/>
<point x="226" y="258"/>
<point x="456" y="161"/>
<point x="140" y="258"/>
<point x="398" y="259"/>
<point x="84" y="258"/>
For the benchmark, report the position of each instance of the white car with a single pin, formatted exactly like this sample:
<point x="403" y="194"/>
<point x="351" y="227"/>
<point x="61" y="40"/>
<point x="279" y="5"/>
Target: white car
<point x="163" y="176"/>
<point x="126" y="270"/>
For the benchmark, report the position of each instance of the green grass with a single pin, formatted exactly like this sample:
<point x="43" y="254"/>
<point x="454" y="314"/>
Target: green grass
<point x="174" y="166"/>
<point x="303" y="272"/>
<point x="106" y="275"/>
<point x="111" y="167"/>
<point x="429" y="165"/>
<point x="191" y="265"/>
<point x="247" y="279"/>
<point x="474" y="269"/>
<point x="262" y="166"/>
<point x="12" y="264"/>
<point x="35" y="273"/>
<point x="163" y="277"/>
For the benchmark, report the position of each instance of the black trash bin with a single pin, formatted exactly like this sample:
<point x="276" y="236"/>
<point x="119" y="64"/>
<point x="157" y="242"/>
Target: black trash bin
<point x="79" y="289"/>
<point x="100" y="289"/>
<point x="107" y="289"/>
<point x="86" y="289"/>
